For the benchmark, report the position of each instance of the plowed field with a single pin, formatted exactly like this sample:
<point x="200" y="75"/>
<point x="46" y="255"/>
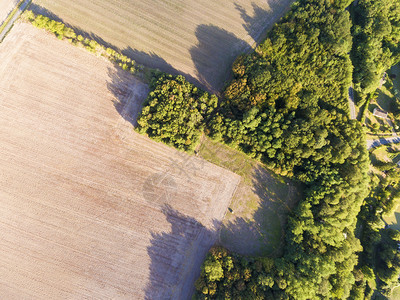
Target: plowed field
<point x="89" y="209"/>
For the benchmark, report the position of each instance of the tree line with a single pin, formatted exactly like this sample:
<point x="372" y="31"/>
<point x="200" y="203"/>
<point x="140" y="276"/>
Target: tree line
<point x="287" y="106"/>
<point x="63" y="32"/>
<point x="380" y="258"/>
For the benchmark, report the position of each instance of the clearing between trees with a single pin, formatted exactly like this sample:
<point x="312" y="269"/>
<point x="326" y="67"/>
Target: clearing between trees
<point x="88" y="207"/>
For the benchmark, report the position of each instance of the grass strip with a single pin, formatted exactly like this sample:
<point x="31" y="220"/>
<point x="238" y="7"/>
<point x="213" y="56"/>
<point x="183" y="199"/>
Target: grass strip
<point x="10" y="16"/>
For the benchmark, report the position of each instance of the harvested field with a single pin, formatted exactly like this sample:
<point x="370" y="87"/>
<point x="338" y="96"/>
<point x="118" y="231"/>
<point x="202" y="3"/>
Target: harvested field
<point x="6" y="6"/>
<point x="90" y="209"/>
<point x="199" y="38"/>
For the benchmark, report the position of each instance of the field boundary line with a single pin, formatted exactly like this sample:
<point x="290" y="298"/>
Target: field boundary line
<point x="12" y="17"/>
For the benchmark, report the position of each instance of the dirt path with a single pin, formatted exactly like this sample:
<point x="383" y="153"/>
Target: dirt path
<point x="6" y="6"/>
<point x="13" y="19"/>
<point x="352" y="104"/>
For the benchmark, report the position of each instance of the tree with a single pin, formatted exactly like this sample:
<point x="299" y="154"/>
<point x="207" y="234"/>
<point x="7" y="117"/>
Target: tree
<point x="175" y="112"/>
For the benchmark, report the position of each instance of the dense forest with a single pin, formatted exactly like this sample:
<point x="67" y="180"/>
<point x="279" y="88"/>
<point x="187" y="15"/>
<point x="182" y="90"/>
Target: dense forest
<point x="380" y="257"/>
<point x="287" y="106"/>
<point x="376" y="48"/>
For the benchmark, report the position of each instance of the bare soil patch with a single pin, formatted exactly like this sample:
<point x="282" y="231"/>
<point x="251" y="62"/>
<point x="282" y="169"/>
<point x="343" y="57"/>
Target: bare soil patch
<point x="89" y="209"/>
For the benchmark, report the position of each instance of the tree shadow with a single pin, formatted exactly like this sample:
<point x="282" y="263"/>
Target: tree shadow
<point x="129" y="93"/>
<point x="397" y="216"/>
<point x="384" y="101"/>
<point x="372" y="106"/>
<point x="152" y="60"/>
<point x="373" y="158"/>
<point x="214" y="55"/>
<point x="262" y="234"/>
<point x="177" y="256"/>
<point x="255" y="25"/>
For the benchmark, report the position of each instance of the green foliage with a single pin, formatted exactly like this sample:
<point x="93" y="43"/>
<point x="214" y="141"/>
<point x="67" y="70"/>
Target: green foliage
<point x="364" y="108"/>
<point x="212" y="269"/>
<point x="175" y="112"/>
<point x="287" y="106"/>
<point x="225" y="275"/>
<point x="388" y="260"/>
<point x="288" y="95"/>
<point x="342" y="3"/>
<point x="379" y="258"/>
<point x="376" y="32"/>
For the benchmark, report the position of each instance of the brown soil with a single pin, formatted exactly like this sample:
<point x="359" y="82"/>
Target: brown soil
<point x="88" y="207"/>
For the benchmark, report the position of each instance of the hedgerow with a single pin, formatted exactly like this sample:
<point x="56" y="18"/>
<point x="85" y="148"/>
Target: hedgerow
<point x="61" y="31"/>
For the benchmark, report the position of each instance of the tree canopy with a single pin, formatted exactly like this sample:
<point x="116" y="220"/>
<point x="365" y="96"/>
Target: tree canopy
<point x="287" y="106"/>
<point x="175" y="112"/>
<point x="376" y="47"/>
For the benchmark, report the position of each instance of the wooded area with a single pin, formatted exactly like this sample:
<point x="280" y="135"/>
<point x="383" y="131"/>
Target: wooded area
<point x="287" y="106"/>
<point x="376" y="32"/>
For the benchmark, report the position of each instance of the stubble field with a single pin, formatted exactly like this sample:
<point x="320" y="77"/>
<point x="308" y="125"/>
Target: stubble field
<point x="197" y="38"/>
<point x="89" y="209"/>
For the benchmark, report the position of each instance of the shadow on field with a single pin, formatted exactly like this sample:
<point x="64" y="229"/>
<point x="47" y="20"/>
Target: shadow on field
<point x="262" y="233"/>
<point x="255" y="25"/>
<point x="397" y="224"/>
<point x="150" y="60"/>
<point x="155" y="61"/>
<point x="214" y="43"/>
<point x="129" y="93"/>
<point x="176" y="256"/>
<point x="213" y="55"/>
